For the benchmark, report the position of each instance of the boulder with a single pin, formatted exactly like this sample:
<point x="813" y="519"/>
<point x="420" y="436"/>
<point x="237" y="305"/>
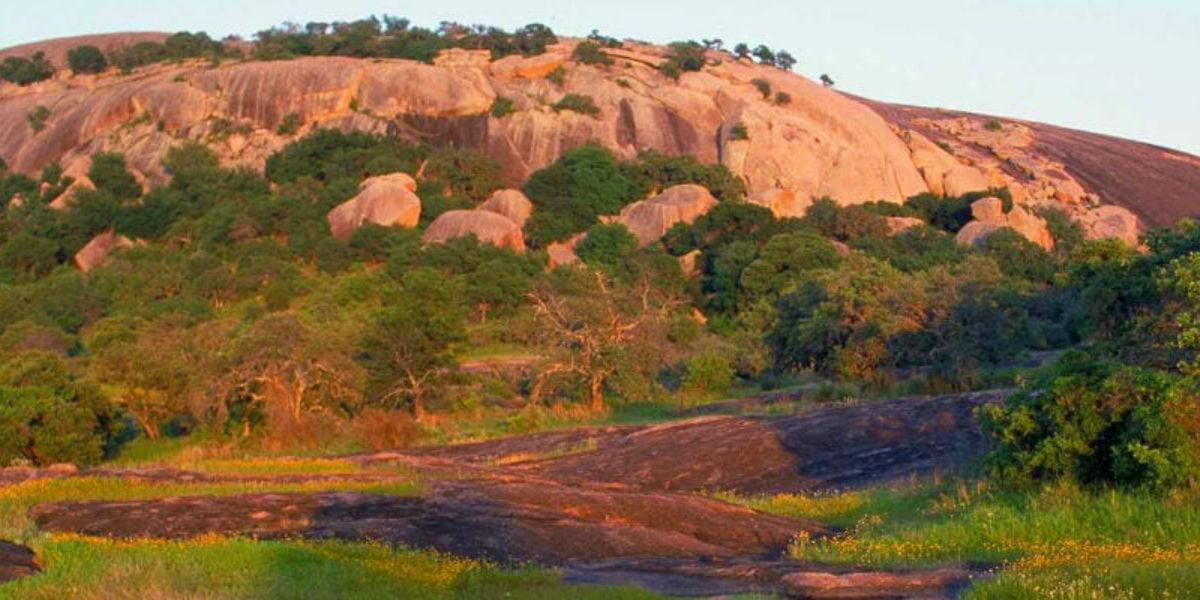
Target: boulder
<point x="1033" y="227"/>
<point x="649" y="220"/>
<point x="1111" y="222"/>
<point x="489" y="227"/>
<point x="975" y="232"/>
<point x="509" y="203"/>
<point x="899" y="224"/>
<point x="689" y="263"/>
<point x="96" y="251"/>
<point x="782" y="202"/>
<point x="16" y="561"/>
<point x="988" y="210"/>
<point x="944" y="175"/>
<point x="384" y="200"/>
<point x="527" y="67"/>
<point x="563" y="253"/>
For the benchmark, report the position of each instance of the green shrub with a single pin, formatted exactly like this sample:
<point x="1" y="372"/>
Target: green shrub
<point x="558" y="76"/>
<point x="37" y="118"/>
<point x="683" y="57"/>
<point x="24" y="71"/>
<point x="109" y="174"/>
<point x="783" y="98"/>
<point x="289" y="125"/>
<point x="739" y="132"/>
<point x="606" y="245"/>
<point x="590" y="53"/>
<point x="763" y="86"/>
<point x="568" y="195"/>
<point x="578" y="103"/>
<point x="502" y="107"/>
<point x="86" y="59"/>
<point x="653" y="170"/>
<point x="39" y="426"/>
<point x="993" y="125"/>
<point x="1098" y="422"/>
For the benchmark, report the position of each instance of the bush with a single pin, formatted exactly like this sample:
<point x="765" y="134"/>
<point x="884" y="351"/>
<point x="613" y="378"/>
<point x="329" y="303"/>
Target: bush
<point x="24" y="71"/>
<point x="1098" y="422"/>
<point x="569" y="194"/>
<point x="606" y="245"/>
<point x="782" y="98"/>
<point x="37" y="118"/>
<point x="328" y="155"/>
<point x="86" y="59"/>
<point x="38" y="426"/>
<point x="993" y="125"/>
<point x="763" y="87"/>
<point x="739" y="132"/>
<point x="578" y="103"/>
<point x="289" y="125"/>
<point x="654" y="170"/>
<point x="558" y="76"/>
<point x="683" y="56"/>
<point x="109" y="174"/>
<point x="502" y="107"/>
<point x="590" y="53"/>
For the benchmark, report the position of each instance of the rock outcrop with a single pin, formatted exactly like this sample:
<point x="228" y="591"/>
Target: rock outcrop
<point x="97" y="251"/>
<point x="384" y="200"/>
<point x="1111" y="222"/>
<point x="1071" y="170"/>
<point x="989" y="217"/>
<point x="16" y="561"/>
<point x="509" y="203"/>
<point x="502" y="521"/>
<point x="944" y="175"/>
<point x="901" y="224"/>
<point x="782" y="202"/>
<point x="649" y="220"/>
<point x="487" y="226"/>
<point x="819" y="143"/>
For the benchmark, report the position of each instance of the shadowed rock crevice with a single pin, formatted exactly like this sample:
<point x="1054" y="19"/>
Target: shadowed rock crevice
<point x="16" y="561"/>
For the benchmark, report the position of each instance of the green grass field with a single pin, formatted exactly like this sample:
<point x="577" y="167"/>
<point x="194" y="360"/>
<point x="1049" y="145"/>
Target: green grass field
<point x="1059" y="541"/>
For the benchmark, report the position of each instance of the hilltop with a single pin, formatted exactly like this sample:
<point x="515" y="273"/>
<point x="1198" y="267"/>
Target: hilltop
<point x="777" y="130"/>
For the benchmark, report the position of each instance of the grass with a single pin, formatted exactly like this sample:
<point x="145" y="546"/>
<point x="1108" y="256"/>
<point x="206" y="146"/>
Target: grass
<point x="219" y="568"/>
<point x="1058" y="541"/>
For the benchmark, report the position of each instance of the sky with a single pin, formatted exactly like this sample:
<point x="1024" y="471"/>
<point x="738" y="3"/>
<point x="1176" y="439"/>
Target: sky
<point x="1122" y="67"/>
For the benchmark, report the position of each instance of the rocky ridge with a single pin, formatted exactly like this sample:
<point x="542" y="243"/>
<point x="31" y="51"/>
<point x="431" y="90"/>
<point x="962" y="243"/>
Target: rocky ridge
<point x="817" y="143"/>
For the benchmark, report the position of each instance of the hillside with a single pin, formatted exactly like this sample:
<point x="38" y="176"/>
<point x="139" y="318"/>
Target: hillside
<point x="471" y="313"/>
<point x="794" y="134"/>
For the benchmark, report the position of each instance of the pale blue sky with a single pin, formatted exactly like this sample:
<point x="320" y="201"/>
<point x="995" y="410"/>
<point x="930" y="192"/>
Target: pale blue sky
<point x="1123" y="67"/>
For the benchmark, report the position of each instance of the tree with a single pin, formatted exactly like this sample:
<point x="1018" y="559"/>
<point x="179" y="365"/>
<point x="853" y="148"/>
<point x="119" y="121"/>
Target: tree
<point x="145" y="370"/>
<point x="742" y="50"/>
<point x="570" y="194"/>
<point x="826" y="80"/>
<point x="765" y="55"/>
<point x="1098" y="422"/>
<point x="289" y="371"/>
<point x="606" y="246"/>
<point x="24" y="71"/>
<point x="784" y="60"/>
<point x="409" y="343"/>
<point x="109" y="174"/>
<point x="590" y="53"/>
<point x="86" y="59"/>
<point x="597" y="330"/>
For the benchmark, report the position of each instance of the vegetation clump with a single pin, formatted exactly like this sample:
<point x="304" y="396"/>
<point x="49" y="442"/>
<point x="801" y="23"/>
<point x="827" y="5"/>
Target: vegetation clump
<point x="579" y="103"/>
<point x="25" y="71"/>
